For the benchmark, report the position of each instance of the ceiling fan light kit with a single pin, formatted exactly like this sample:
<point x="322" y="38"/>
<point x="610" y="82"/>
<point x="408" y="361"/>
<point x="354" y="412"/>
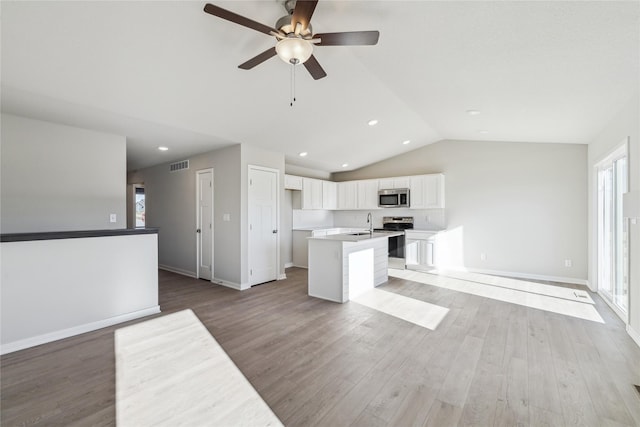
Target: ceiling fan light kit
<point x="294" y="50"/>
<point x="294" y="36"/>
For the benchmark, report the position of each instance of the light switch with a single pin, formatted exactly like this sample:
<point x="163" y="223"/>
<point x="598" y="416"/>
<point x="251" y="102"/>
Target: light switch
<point x="112" y="218"/>
<point x="226" y="217"/>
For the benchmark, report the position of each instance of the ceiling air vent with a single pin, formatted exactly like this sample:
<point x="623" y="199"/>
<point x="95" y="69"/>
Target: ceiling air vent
<point x="178" y="166"/>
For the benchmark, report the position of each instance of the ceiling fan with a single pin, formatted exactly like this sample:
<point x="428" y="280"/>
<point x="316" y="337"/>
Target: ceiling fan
<point x="295" y="37"/>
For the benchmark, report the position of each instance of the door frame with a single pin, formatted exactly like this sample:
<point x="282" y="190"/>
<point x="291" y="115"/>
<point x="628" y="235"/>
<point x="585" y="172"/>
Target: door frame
<point x="199" y="235"/>
<point x="249" y="260"/>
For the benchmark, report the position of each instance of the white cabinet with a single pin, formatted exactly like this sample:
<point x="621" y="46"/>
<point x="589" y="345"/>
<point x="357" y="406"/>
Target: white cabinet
<point x="311" y="193"/>
<point x="427" y="191"/>
<point x="420" y="249"/>
<point x="292" y="182"/>
<point x="329" y="195"/>
<point x="395" y="182"/>
<point x="367" y="194"/>
<point x="347" y="195"/>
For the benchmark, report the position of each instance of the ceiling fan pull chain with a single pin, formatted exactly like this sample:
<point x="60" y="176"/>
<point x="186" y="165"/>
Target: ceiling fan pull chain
<point x="293" y="85"/>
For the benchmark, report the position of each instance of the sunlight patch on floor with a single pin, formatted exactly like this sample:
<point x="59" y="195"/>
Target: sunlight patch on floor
<point x="412" y="310"/>
<point x="509" y="290"/>
<point x="171" y="371"/>
<point x="519" y="285"/>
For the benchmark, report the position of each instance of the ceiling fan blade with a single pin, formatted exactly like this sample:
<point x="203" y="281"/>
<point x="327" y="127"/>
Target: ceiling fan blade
<point x="302" y="14"/>
<point x="237" y="19"/>
<point x="313" y="67"/>
<point x="258" y="59"/>
<point x="350" y="38"/>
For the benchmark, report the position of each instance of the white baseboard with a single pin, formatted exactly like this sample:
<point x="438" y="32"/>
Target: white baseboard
<point x="571" y="280"/>
<point x="76" y="330"/>
<point x="288" y="264"/>
<point x="634" y="335"/>
<point x="232" y="285"/>
<point x="177" y="270"/>
<point x="282" y="276"/>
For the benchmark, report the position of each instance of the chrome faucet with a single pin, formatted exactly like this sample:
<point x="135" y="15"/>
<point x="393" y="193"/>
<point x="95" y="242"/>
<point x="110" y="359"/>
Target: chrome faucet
<point x="370" y="222"/>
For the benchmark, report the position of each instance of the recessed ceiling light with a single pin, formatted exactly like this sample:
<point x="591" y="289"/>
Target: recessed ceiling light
<point x="473" y="112"/>
<point x="483" y="131"/>
<point x="344" y="165"/>
<point x="372" y="122"/>
<point x="163" y="148"/>
<point x="406" y="142"/>
<point x="304" y="153"/>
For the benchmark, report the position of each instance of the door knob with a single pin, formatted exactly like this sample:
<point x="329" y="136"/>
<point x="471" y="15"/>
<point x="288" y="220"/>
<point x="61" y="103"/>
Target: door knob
<point x="198" y="230"/>
<point x="274" y="231"/>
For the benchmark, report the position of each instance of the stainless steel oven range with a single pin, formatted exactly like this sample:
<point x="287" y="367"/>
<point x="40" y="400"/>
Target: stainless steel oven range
<point x="396" y="243"/>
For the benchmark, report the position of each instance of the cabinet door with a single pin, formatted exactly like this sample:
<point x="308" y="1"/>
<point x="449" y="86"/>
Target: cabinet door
<point x="386" y="183"/>
<point x="368" y="194"/>
<point x="434" y="191"/>
<point x="419" y="253"/>
<point x="311" y="193"/>
<point x="395" y="182"/>
<point x="292" y="182"/>
<point x="347" y="195"/>
<point x="329" y="195"/>
<point x="427" y="191"/>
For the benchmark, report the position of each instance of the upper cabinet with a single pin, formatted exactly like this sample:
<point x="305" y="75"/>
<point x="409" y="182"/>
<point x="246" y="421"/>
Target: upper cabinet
<point x="347" y="195"/>
<point x="427" y="191"/>
<point x="367" y="194"/>
<point x="292" y="182"/>
<point x="329" y="195"/>
<point x="396" y="182"/>
<point x="311" y="193"/>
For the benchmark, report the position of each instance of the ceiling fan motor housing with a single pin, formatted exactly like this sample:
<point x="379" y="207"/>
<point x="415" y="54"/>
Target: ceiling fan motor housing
<point x="284" y="24"/>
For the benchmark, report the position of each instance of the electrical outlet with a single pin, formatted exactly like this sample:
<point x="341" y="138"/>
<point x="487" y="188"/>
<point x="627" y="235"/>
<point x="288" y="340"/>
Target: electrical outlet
<point x="113" y="218"/>
<point x="483" y="256"/>
<point x="568" y="263"/>
<point x="426" y="218"/>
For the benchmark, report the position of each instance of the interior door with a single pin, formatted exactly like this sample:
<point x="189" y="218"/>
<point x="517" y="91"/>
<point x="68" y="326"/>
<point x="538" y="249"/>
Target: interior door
<point x="205" y="223"/>
<point x="263" y="225"/>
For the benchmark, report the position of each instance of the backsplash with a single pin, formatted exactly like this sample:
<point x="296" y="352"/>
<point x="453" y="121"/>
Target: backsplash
<point x="424" y="219"/>
<point x="312" y="218"/>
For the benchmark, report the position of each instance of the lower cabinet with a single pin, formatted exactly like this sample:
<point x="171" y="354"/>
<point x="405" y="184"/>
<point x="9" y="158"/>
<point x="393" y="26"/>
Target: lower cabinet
<point x="420" y="249"/>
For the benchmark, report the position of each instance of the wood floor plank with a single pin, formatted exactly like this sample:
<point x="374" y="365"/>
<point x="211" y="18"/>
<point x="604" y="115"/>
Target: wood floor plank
<point x="320" y="363"/>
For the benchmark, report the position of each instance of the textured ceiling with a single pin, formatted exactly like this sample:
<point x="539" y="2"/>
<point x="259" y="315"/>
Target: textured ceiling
<point x="165" y="73"/>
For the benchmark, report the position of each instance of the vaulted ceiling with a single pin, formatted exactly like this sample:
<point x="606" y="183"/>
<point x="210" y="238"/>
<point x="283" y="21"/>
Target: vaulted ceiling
<point x="165" y="73"/>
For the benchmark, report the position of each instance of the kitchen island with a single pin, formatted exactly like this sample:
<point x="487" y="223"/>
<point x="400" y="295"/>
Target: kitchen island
<point x="343" y="266"/>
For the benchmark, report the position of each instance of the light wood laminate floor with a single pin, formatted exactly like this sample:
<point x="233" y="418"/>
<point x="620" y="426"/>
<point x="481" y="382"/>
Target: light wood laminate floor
<point x="314" y="362"/>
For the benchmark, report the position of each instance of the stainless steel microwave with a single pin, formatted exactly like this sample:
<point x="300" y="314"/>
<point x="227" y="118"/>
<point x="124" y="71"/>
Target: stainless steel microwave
<point x="393" y="198"/>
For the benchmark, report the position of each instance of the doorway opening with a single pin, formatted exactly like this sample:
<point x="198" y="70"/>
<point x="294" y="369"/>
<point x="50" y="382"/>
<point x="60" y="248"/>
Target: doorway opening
<point x="139" y="206"/>
<point x="613" y="248"/>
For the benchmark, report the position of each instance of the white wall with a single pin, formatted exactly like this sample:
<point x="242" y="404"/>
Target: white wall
<point x="60" y="178"/>
<point x="626" y="124"/>
<point x="79" y="285"/>
<point x="523" y="205"/>
<point x="170" y="199"/>
<point x="170" y="202"/>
